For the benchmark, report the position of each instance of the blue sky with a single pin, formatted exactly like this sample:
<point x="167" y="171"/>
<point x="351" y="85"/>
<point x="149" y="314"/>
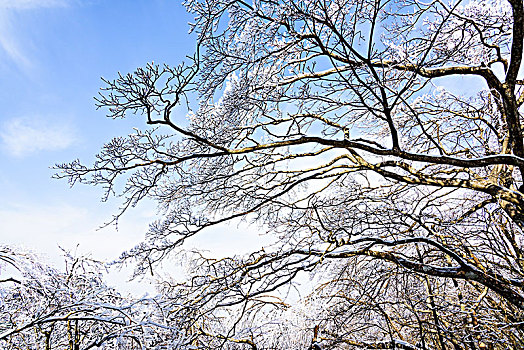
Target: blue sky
<point x="52" y="55"/>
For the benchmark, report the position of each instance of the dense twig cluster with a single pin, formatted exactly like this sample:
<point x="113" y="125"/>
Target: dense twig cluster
<point x="339" y="128"/>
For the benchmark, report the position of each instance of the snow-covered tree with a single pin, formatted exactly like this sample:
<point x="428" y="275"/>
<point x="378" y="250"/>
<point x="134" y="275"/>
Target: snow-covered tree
<point x="379" y="142"/>
<point x="45" y="308"/>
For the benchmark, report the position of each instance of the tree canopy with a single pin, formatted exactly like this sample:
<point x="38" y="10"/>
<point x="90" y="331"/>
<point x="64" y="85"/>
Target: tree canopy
<point x="379" y="143"/>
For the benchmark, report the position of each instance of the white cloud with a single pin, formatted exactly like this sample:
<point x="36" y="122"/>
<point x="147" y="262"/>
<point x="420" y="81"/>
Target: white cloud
<point x="23" y="136"/>
<point x="10" y="34"/>
<point x="31" y="4"/>
<point x="44" y="228"/>
<point x="9" y="41"/>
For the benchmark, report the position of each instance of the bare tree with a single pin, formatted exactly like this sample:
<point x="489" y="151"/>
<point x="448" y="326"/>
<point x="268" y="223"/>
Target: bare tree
<point x="379" y="142"/>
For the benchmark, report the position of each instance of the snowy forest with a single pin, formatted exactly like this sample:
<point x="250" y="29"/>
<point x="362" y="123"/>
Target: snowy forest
<point x="376" y="144"/>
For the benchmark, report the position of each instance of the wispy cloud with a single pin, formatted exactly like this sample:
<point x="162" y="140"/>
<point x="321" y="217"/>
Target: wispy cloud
<point x="23" y="136"/>
<point x="10" y="34"/>
<point x="10" y="42"/>
<point x="32" y="4"/>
